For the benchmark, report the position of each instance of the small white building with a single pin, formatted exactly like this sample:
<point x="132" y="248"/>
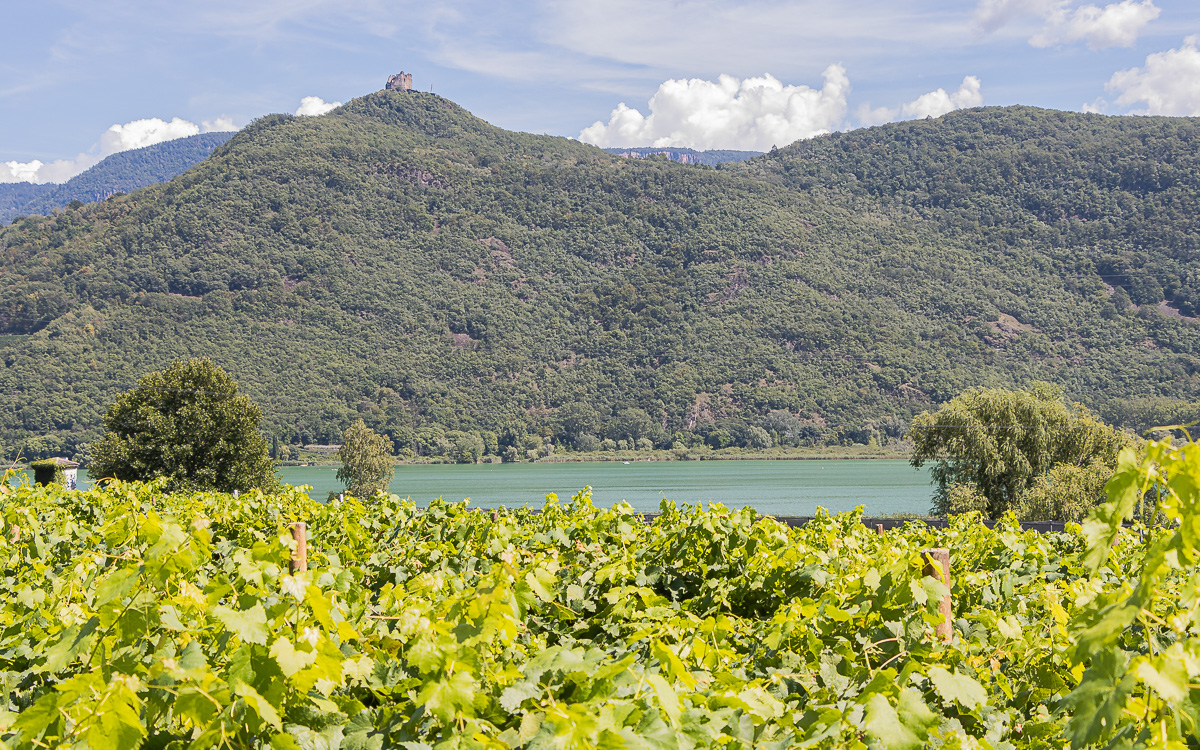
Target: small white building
<point x="57" y="470"/>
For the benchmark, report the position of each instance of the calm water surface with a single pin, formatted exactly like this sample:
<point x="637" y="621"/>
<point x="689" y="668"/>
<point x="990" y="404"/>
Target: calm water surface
<point x="772" y="487"/>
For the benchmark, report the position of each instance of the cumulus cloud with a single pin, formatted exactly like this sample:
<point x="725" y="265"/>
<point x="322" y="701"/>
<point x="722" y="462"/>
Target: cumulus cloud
<point x="59" y="170"/>
<point x="930" y="104"/>
<point x="1168" y="83"/>
<point x="119" y="137"/>
<point x="938" y="103"/>
<point x="753" y="114"/>
<point x="218" y="125"/>
<point x="1114" y="25"/>
<point x="142" y="133"/>
<point x="315" y="105"/>
<point x="16" y="171"/>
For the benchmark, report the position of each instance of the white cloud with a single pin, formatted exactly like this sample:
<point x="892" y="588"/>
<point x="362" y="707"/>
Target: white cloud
<point x="1168" y="83"/>
<point x="315" y="105"/>
<point x="142" y="133"/>
<point x="37" y="171"/>
<point x="931" y="104"/>
<point x="218" y="125"/>
<point x="938" y="103"/>
<point x="16" y="171"/>
<point x="753" y="114"/>
<point x="135" y="134"/>
<point x="1114" y="25"/>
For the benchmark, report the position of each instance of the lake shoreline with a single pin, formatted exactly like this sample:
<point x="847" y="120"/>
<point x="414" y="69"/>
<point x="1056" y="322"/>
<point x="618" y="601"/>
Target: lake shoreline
<point x="840" y="453"/>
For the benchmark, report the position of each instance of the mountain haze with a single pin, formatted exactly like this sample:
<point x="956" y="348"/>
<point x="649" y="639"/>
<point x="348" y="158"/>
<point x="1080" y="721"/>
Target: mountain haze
<point x="402" y="261"/>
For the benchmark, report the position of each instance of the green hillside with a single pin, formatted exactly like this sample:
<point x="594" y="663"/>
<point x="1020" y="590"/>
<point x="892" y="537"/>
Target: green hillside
<point x="1109" y="205"/>
<point x="119" y="173"/>
<point x="403" y="261"/>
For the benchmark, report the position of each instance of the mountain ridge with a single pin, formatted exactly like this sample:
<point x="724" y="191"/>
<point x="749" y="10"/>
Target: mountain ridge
<point x="121" y="172"/>
<point x="402" y="261"/>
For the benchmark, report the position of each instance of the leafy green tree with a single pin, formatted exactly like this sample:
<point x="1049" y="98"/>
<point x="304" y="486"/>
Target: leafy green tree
<point x="997" y="450"/>
<point x="186" y="423"/>
<point x="467" y="447"/>
<point x="757" y="437"/>
<point x="367" y="465"/>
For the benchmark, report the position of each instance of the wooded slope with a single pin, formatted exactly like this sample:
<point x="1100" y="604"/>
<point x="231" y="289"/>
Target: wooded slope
<point x="403" y="261"/>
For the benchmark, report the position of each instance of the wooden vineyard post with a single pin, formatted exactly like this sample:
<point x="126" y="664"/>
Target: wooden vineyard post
<point x="938" y="566"/>
<point x="299" y="561"/>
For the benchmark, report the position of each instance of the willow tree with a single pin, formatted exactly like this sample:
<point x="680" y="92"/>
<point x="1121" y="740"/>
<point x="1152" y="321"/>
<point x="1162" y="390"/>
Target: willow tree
<point x="1028" y="451"/>
<point x="189" y="424"/>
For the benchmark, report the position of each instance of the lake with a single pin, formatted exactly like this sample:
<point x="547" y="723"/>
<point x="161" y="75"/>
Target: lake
<point x="792" y="488"/>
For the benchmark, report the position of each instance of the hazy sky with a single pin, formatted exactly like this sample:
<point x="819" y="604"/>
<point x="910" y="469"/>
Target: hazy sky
<point x="80" y="79"/>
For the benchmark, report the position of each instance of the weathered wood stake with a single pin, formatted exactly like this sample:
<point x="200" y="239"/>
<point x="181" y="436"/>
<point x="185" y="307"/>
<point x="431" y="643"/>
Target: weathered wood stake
<point x="938" y="566"/>
<point x="299" y="562"/>
<point x="879" y="529"/>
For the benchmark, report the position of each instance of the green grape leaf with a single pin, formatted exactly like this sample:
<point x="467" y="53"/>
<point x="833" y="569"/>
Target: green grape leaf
<point x="35" y="720"/>
<point x="73" y="642"/>
<point x="516" y="694"/>
<point x="672" y="664"/>
<point x="1099" y="700"/>
<point x="285" y="741"/>
<point x="289" y="658"/>
<point x="117" y="584"/>
<point x="886" y="729"/>
<point x="261" y="706"/>
<point x="666" y="697"/>
<point x="953" y="687"/>
<point x="1103" y="524"/>
<point x="250" y="625"/>
<point x="446" y="697"/>
<point x="195" y="706"/>
<point x="118" y="724"/>
<point x="542" y="582"/>
<point x="1166" y="674"/>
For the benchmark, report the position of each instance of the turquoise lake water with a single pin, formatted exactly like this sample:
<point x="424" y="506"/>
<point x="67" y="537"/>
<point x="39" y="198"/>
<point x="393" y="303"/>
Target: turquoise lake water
<point x="772" y="487"/>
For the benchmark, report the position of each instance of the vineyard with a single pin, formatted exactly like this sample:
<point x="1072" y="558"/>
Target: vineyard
<point x="138" y="618"/>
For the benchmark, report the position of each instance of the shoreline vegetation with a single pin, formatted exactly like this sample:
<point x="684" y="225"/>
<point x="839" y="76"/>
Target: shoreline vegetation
<point x="818" y="453"/>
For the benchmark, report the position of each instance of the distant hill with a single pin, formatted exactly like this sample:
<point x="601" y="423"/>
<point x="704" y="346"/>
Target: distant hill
<point x="685" y="155"/>
<point x="401" y="261"/>
<point x="14" y="196"/>
<point x="119" y="173"/>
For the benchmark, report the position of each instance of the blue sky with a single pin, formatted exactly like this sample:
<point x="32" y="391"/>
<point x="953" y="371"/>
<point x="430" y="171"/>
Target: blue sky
<point x="83" y="78"/>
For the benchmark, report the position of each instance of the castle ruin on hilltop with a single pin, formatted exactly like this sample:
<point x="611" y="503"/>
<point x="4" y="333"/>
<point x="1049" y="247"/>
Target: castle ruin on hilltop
<point x="400" y="82"/>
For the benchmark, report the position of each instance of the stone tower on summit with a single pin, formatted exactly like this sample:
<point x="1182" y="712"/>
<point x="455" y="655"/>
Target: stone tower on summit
<point x="400" y="82"/>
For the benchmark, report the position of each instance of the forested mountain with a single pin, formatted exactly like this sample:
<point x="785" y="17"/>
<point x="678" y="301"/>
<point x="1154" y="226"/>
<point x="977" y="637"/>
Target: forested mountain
<point x="1108" y="205"/>
<point x="403" y="261"/>
<point x="712" y="157"/>
<point x="122" y="172"/>
<point x="15" y="195"/>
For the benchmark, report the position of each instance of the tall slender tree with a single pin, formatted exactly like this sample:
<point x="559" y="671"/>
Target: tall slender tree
<point x="367" y="463"/>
